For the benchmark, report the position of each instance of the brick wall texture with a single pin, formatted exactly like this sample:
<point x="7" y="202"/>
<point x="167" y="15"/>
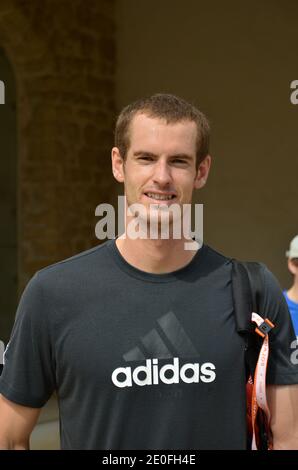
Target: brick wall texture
<point x="63" y="56"/>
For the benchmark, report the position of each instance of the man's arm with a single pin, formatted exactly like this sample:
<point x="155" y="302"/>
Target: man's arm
<point x="283" y="406"/>
<point x="16" y="424"/>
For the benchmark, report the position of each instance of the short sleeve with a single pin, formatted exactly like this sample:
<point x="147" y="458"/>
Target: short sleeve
<point x="28" y="376"/>
<point x="282" y="365"/>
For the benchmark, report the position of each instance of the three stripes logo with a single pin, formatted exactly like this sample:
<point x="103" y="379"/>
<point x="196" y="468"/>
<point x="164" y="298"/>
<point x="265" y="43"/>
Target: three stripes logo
<point x="167" y="341"/>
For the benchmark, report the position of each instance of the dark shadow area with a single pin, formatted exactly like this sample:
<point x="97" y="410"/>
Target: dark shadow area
<point x="8" y="201"/>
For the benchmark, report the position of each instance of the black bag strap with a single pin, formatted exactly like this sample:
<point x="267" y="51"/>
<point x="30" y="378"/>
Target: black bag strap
<point x="247" y="287"/>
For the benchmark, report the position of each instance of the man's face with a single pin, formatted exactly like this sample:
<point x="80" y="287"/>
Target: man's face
<point x="160" y="166"/>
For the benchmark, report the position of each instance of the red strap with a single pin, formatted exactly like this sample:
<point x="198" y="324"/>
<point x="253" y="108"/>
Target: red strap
<point x="259" y="399"/>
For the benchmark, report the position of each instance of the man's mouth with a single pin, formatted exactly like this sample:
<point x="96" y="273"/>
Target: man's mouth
<point x="160" y="197"/>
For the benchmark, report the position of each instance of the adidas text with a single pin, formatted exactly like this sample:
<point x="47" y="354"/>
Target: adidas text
<point x="168" y="373"/>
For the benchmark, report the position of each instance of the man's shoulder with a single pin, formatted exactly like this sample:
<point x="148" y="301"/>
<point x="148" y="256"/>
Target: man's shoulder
<point x="215" y="253"/>
<point x="78" y="265"/>
<point x="214" y="257"/>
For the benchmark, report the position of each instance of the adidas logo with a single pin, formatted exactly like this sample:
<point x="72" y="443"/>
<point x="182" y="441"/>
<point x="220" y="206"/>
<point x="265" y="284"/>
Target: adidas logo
<point x="167" y="341"/>
<point x="188" y="373"/>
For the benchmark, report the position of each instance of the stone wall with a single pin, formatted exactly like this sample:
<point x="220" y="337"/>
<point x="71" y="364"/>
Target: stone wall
<point x="63" y="56"/>
<point x="8" y="192"/>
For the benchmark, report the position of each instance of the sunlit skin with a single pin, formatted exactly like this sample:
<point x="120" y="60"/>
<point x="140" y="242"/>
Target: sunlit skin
<point x="161" y="159"/>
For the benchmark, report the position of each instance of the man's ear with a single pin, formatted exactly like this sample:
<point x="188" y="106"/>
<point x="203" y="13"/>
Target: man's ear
<point x="202" y="172"/>
<point x="117" y="165"/>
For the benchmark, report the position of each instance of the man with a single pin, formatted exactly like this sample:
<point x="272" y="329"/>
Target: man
<point x="291" y="295"/>
<point x="137" y="336"/>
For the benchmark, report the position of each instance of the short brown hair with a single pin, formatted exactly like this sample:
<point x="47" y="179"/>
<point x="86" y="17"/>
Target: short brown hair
<point x="164" y="106"/>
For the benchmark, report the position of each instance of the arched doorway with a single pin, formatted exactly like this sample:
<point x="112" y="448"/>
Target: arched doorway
<point x="8" y="200"/>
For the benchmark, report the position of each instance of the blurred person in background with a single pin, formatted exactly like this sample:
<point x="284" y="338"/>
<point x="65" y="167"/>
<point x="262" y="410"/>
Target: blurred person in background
<point x="291" y="294"/>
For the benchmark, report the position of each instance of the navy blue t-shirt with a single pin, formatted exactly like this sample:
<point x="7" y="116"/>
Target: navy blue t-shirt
<point x="140" y="360"/>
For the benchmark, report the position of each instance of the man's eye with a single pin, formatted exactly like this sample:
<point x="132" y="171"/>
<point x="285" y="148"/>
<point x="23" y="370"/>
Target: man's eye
<point x="146" y="158"/>
<point x="179" y="161"/>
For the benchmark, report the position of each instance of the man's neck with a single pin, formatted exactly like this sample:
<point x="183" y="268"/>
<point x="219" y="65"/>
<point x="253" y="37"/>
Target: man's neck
<point x="155" y="256"/>
<point x="293" y="292"/>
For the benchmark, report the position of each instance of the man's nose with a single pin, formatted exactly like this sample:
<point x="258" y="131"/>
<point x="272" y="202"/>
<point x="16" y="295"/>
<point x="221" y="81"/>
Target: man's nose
<point x="162" y="173"/>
